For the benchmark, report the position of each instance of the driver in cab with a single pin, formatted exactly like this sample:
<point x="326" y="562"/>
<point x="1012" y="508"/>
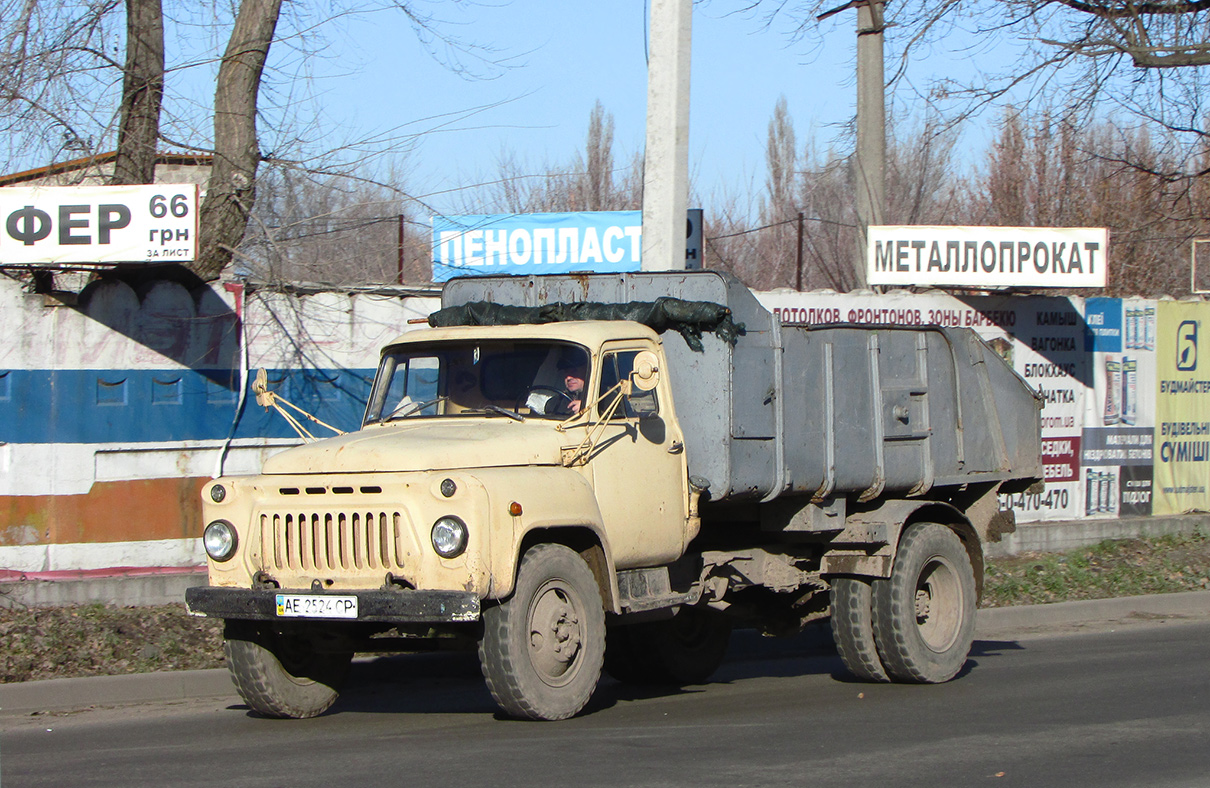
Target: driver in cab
<point x="574" y="369"/>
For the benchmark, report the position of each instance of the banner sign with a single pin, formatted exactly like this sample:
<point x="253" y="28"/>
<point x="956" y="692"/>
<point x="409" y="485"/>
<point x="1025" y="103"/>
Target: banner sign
<point x="537" y="243"/>
<point x="83" y="225"/>
<point x="987" y="257"/>
<point x="1182" y="430"/>
<point x="1118" y="439"/>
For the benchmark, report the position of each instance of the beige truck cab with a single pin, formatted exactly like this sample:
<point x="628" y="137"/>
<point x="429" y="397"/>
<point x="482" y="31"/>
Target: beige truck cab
<point x="487" y="480"/>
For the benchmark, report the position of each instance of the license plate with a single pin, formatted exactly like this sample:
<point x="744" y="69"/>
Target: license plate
<point x="313" y="606"/>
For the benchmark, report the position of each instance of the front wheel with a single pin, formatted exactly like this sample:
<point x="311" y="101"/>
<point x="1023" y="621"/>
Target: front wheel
<point x="924" y="614"/>
<point x="542" y="648"/>
<point x="282" y="675"/>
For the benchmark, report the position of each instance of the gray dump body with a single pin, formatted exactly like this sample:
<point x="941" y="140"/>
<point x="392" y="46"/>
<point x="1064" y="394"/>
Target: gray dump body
<point x="832" y="411"/>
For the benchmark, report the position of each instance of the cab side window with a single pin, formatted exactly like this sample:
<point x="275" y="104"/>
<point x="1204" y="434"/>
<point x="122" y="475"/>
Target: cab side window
<point x="640" y="404"/>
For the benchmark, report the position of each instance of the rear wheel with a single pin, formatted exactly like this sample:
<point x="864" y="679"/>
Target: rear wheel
<point x="853" y="627"/>
<point x="542" y="648"/>
<point x="279" y="674"/>
<point x="924" y="614"/>
<point x="685" y="649"/>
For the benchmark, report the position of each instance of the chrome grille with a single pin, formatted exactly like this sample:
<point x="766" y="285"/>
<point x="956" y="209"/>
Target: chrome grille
<point x="332" y="541"/>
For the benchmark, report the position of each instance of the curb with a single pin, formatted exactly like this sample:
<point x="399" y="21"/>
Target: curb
<point x="137" y="586"/>
<point x="1056" y="536"/>
<point x="59" y="694"/>
<point x="1157" y="608"/>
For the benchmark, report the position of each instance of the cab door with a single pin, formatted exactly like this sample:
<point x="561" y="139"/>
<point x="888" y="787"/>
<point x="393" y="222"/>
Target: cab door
<point x="637" y="464"/>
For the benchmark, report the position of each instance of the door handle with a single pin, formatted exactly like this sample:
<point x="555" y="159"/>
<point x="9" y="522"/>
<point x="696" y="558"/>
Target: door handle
<point x="676" y="448"/>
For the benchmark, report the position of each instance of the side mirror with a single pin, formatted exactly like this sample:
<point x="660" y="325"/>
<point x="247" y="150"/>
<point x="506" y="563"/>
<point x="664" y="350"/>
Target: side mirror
<point x="260" y="386"/>
<point x="646" y="374"/>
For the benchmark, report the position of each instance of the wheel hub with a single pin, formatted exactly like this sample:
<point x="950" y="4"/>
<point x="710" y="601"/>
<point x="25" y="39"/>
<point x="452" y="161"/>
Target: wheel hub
<point x="555" y="636"/>
<point x="938" y="603"/>
<point x="923" y="596"/>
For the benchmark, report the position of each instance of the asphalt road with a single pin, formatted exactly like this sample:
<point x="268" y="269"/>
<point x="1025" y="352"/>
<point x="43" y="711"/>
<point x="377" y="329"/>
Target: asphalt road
<point x="1116" y="707"/>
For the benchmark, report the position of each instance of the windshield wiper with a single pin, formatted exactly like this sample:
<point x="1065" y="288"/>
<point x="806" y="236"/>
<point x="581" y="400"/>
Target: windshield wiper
<point x="512" y="414"/>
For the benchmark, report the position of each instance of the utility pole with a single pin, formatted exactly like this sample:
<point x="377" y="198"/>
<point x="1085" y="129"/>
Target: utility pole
<point x="798" y="257"/>
<point x="870" y="162"/>
<point x="666" y="161"/>
<point x="402" y="238"/>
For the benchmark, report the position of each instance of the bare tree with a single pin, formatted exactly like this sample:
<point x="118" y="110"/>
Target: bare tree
<point x="1006" y="175"/>
<point x="829" y="200"/>
<point x="1152" y="33"/>
<point x="1141" y="57"/>
<point x="596" y="182"/>
<point x="779" y="208"/>
<point x="1048" y="170"/>
<point x="730" y="237"/>
<point x="761" y="246"/>
<point x="335" y="230"/>
<point x="54" y="97"/>
<point x="922" y="187"/>
<point x="231" y="190"/>
<point x="591" y="181"/>
<point x="142" y="93"/>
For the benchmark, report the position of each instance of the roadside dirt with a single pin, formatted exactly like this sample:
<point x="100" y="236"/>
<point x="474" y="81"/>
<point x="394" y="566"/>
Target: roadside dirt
<point x="104" y="640"/>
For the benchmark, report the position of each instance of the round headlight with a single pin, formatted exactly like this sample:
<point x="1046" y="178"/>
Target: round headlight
<point x="449" y="537"/>
<point x="219" y="540"/>
<point x="218" y="493"/>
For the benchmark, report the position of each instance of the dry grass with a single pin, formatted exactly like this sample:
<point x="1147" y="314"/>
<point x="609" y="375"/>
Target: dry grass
<point x="1127" y="567"/>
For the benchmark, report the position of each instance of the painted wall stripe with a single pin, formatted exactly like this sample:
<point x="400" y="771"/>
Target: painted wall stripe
<point x="73" y="468"/>
<point x="141" y="406"/>
<point x="140" y="510"/>
<point x="90" y="555"/>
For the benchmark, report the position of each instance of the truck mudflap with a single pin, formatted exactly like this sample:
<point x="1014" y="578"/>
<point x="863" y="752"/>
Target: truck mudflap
<point x="395" y="606"/>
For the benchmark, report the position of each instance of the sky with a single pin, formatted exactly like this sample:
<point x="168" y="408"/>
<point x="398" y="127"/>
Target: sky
<point x="559" y="59"/>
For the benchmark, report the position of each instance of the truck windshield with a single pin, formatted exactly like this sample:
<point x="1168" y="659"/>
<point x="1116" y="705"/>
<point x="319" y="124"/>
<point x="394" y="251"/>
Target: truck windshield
<point x="518" y="378"/>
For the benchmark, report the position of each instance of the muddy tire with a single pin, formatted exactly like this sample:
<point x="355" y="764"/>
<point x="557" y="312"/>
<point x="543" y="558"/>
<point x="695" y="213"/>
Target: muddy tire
<point x="924" y="614"/>
<point x="853" y="627"/>
<point x="686" y="649"/>
<point x="280" y="675"/>
<point x="542" y="648"/>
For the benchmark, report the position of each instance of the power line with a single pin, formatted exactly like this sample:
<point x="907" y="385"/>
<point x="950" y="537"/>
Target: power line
<point x="780" y="224"/>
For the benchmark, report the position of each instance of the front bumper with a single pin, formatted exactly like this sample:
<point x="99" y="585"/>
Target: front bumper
<point x="392" y="607"/>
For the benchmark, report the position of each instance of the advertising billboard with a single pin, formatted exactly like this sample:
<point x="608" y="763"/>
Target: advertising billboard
<point x="537" y="243"/>
<point x="1182" y="410"/>
<point x="86" y="225"/>
<point x="987" y="257"/>
<point x="1117" y="451"/>
<point x="600" y="242"/>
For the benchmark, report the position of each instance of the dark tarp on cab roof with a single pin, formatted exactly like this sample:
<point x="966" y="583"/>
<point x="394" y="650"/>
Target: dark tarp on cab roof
<point x="688" y="318"/>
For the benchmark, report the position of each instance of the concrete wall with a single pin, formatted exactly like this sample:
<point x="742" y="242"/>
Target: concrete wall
<point x="114" y="411"/>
